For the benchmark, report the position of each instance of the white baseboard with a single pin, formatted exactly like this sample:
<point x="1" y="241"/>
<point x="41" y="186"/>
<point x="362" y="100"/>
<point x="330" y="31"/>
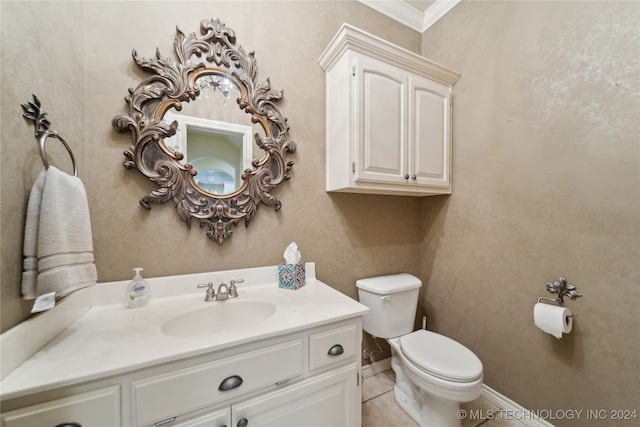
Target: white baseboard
<point x="503" y="403"/>
<point x="512" y="409"/>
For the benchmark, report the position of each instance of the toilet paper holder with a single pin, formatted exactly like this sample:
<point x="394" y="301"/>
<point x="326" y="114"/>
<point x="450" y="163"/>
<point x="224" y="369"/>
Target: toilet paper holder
<point x="562" y="288"/>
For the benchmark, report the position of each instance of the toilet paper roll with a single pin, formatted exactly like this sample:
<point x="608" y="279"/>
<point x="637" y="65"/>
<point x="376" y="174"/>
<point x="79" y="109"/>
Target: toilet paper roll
<point x="553" y="320"/>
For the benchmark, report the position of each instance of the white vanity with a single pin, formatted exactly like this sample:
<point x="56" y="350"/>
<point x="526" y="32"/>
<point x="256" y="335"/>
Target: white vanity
<point x="270" y="357"/>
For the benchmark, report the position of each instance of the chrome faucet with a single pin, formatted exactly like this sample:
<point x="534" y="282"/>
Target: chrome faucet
<point x="224" y="292"/>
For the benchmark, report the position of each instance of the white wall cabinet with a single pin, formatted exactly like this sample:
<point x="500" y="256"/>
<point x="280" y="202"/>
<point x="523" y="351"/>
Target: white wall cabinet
<point x="388" y="118"/>
<point x="306" y="378"/>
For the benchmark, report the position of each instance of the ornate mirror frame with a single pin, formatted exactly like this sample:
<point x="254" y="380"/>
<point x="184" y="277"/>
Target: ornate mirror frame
<point x="172" y="82"/>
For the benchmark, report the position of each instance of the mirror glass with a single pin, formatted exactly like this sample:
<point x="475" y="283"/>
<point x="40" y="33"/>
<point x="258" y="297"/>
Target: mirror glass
<point x="214" y="135"/>
<point x="206" y="132"/>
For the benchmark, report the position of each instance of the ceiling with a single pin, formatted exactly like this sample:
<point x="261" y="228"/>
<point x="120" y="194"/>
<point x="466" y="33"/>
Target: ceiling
<point x="421" y="5"/>
<point x="416" y="14"/>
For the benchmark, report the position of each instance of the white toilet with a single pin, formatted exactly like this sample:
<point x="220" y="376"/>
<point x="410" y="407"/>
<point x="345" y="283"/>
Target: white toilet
<point x="433" y="373"/>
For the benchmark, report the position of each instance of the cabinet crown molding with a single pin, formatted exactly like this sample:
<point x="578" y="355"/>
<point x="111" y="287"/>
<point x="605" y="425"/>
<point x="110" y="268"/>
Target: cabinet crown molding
<point x="357" y="40"/>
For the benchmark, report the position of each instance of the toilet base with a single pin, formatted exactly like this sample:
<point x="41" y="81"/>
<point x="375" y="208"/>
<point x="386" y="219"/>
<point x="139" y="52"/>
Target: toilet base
<point x="407" y="403"/>
<point x="433" y="413"/>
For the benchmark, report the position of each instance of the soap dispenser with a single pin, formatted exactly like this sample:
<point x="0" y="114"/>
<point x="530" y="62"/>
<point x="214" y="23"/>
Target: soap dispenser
<point x="138" y="291"/>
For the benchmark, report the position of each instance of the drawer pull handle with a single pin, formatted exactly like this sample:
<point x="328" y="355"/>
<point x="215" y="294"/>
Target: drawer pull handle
<point x="69" y="424"/>
<point x="336" y="350"/>
<point x="243" y="422"/>
<point x="230" y="383"/>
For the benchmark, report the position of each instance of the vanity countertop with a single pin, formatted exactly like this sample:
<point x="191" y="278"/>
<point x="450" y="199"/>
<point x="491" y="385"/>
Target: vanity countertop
<point x="110" y="338"/>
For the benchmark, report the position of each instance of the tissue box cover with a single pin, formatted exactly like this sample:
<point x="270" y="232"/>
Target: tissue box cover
<point x="291" y="276"/>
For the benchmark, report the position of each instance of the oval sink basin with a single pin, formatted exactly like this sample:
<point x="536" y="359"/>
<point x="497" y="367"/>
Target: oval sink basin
<point x="218" y="316"/>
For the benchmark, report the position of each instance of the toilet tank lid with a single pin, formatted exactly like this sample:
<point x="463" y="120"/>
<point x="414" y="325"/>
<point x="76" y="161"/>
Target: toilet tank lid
<point x="389" y="284"/>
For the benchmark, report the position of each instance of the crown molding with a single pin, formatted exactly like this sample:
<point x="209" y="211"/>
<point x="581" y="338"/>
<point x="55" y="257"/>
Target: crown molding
<point x="409" y="15"/>
<point x="350" y="38"/>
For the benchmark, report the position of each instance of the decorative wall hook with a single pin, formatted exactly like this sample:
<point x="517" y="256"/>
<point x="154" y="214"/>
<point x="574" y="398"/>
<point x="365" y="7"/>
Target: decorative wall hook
<point x="562" y="288"/>
<point x="34" y="112"/>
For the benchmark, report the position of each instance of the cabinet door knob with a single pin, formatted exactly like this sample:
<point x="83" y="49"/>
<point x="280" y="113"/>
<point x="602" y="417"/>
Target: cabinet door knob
<point x="406" y="176"/>
<point x="336" y="350"/>
<point x="230" y="383"/>
<point x="243" y="422"/>
<point x="413" y="177"/>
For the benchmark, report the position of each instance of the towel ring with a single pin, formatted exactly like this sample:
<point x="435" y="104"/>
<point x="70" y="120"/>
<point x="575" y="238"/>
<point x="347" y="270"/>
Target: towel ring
<point x="43" y="153"/>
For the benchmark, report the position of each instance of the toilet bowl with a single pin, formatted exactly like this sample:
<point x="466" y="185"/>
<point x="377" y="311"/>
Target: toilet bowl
<point x="434" y="373"/>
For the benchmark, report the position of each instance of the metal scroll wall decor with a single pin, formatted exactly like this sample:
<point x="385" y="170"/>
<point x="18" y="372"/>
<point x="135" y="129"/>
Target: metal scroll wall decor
<point x="211" y="57"/>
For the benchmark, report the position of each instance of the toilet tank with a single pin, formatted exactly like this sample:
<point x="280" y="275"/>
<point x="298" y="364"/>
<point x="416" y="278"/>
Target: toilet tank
<point x="392" y="301"/>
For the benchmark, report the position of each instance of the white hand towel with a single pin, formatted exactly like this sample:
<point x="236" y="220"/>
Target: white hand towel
<point x="30" y="247"/>
<point x="64" y="238"/>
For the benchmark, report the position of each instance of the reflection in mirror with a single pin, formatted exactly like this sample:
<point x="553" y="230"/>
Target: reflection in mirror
<point x="214" y="84"/>
<point x="217" y="100"/>
<point x="194" y="122"/>
<point x="219" y="152"/>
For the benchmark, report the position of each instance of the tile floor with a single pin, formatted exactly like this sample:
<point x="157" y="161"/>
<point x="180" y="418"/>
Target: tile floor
<point x="379" y="408"/>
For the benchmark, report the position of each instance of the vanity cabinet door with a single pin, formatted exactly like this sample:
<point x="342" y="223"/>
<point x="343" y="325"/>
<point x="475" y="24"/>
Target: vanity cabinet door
<point x="220" y="418"/>
<point x="98" y="408"/>
<point x="330" y="399"/>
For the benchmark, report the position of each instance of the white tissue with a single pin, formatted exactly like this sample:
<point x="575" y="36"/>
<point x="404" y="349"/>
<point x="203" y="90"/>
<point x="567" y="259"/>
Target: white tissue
<point x="44" y="302"/>
<point x="552" y="319"/>
<point x="292" y="254"/>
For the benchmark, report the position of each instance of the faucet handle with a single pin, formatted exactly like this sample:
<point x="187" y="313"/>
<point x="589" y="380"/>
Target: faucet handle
<point x="233" y="289"/>
<point x="211" y="293"/>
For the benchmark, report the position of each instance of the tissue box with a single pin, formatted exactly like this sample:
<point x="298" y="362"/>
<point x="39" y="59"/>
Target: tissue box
<point x="291" y="276"/>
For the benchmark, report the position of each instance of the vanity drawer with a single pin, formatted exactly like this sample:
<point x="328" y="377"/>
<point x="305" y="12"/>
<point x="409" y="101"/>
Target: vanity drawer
<point x="333" y="345"/>
<point x="96" y="408"/>
<point x="165" y="396"/>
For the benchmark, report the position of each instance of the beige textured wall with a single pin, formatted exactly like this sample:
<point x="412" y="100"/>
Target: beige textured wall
<point x="41" y="53"/>
<point x="546" y="167"/>
<point x="546" y="183"/>
<point x="348" y="236"/>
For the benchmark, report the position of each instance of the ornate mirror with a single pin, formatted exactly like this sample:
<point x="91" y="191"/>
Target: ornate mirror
<point x="194" y="122"/>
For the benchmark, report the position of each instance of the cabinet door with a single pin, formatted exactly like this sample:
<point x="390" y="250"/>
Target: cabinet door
<point x="331" y="399"/>
<point x="220" y="418"/>
<point x="381" y="121"/>
<point x="429" y="133"/>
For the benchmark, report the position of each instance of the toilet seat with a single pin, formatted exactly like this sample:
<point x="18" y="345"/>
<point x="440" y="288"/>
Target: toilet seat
<point x="441" y="356"/>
